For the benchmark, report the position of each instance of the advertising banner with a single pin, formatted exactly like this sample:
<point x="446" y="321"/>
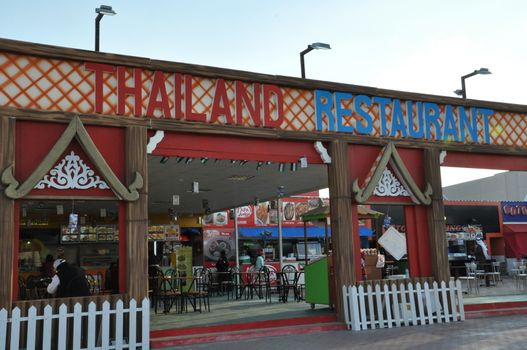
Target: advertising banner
<point x="514" y="212"/>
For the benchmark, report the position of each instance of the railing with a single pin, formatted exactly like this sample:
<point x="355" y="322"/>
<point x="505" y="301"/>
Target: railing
<point x="402" y="304"/>
<point x="91" y="328"/>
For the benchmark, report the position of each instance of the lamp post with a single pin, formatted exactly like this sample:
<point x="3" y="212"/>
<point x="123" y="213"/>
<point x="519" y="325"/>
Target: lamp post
<point x="316" y="46"/>
<point x="463" y="91"/>
<point x="101" y="11"/>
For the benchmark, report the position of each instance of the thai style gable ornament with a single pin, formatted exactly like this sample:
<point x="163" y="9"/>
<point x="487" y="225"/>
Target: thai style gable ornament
<point x="390" y="186"/>
<point x="74" y="130"/>
<point x="72" y="174"/>
<point x="389" y="155"/>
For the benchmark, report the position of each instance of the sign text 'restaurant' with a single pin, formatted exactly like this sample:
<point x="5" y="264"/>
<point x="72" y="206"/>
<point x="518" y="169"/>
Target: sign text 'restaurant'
<point x="345" y="112"/>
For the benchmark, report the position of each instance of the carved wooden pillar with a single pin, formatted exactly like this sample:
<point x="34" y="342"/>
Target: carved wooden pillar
<point x="436" y="218"/>
<point x="341" y="222"/>
<point x="137" y="215"/>
<point x="7" y="226"/>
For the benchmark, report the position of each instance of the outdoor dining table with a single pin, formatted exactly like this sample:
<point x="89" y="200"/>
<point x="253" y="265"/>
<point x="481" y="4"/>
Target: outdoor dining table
<point x="483" y="269"/>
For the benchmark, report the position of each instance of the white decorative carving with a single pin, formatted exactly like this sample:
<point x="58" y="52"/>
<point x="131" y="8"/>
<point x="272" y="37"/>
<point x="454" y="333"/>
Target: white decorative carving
<point x="72" y="174"/>
<point x="154" y="140"/>
<point x="390" y="186"/>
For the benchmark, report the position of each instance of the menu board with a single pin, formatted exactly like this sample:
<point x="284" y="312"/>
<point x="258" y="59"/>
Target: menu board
<point x="266" y="213"/>
<point x="172" y="233"/>
<point x="394" y="242"/>
<point x="89" y="234"/>
<point x="164" y="233"/>
<point x="156" y="233"/>
<point x="184" y="264"/>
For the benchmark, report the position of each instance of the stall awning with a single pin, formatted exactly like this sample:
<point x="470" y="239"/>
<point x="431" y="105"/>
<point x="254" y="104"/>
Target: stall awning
<point x="287" y="232"/>
<point x="365" y="232"/>
<point x="515" y="236"/>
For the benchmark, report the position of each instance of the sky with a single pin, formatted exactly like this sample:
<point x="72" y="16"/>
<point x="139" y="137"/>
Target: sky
<point x="407" y="45"/>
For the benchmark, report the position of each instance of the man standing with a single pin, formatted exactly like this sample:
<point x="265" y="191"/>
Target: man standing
<point x="69" y="281"/>
<point x="259" y="261"/>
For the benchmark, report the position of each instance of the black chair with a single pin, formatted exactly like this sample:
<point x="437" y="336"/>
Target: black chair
<point x="249" y="283"/>
<point x="166" y="291"/>
<point x="229" y="283"/>
<point x="263" y="284"/>
<point x="289" y="282"/>
<point x="198" y="294"/>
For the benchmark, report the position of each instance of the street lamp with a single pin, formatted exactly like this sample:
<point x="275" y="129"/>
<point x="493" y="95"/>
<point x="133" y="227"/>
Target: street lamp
<point x="101" y="10"/>
<point x="463" y="91"/>
<point x="316" y="46"/>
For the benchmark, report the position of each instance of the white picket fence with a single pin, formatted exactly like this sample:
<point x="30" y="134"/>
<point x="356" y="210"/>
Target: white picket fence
<point x="402" y="304"/>
<point x="94" y="337"/>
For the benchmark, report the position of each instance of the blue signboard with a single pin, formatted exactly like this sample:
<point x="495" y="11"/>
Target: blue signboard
<point x="514" y="212"/>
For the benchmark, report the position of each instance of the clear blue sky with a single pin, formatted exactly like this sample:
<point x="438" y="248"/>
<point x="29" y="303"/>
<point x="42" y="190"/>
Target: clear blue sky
<point x="409" y="45"/>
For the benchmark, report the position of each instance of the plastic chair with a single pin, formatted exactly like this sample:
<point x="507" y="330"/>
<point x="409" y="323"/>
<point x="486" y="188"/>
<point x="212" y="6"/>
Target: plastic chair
<point x="521" y="276"/>
<point x="471" y="277"/>
<point x="495" y="274"/>
<point x="299" y="286"/>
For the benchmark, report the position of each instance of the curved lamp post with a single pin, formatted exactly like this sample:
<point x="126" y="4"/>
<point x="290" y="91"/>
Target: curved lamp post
<point x="315" y="46"/>
<point x="101" y="11"/>
<point x="463" y="91"/>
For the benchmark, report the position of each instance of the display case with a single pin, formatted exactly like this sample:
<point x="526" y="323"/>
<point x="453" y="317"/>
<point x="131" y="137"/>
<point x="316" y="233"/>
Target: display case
<point x="314" y="250"/>
<point x="89" y="234"/>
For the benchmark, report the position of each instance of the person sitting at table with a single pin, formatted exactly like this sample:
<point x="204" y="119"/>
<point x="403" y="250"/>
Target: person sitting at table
<point x="69" y="281"/>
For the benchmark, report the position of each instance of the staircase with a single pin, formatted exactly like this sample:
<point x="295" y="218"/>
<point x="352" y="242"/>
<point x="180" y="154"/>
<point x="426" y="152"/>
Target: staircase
<point x="232" y="332"/>
<point x="495" y="309"/>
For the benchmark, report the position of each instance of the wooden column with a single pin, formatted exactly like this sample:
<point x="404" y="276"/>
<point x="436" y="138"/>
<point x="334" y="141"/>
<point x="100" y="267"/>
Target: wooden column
<point x="7" y="225"/>
<point x="341" y="223"/>
<point x="137" y="215"/>
<point x="436" y="218"/>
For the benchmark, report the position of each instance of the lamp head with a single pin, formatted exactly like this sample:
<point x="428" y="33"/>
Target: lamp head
<point x="105" y="10"/>
<point x="459" y="92"/>
<point x="483" y="71"/>
<point x="320" y="46"/>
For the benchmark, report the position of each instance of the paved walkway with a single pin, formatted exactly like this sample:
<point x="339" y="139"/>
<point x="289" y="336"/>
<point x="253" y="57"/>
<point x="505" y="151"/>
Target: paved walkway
<point x="506" y="332"/>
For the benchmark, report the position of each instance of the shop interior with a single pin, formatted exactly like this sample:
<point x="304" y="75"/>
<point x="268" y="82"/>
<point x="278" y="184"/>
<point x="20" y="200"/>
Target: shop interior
<point x="84" y="232"/>
<point x="192" y="201"/>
